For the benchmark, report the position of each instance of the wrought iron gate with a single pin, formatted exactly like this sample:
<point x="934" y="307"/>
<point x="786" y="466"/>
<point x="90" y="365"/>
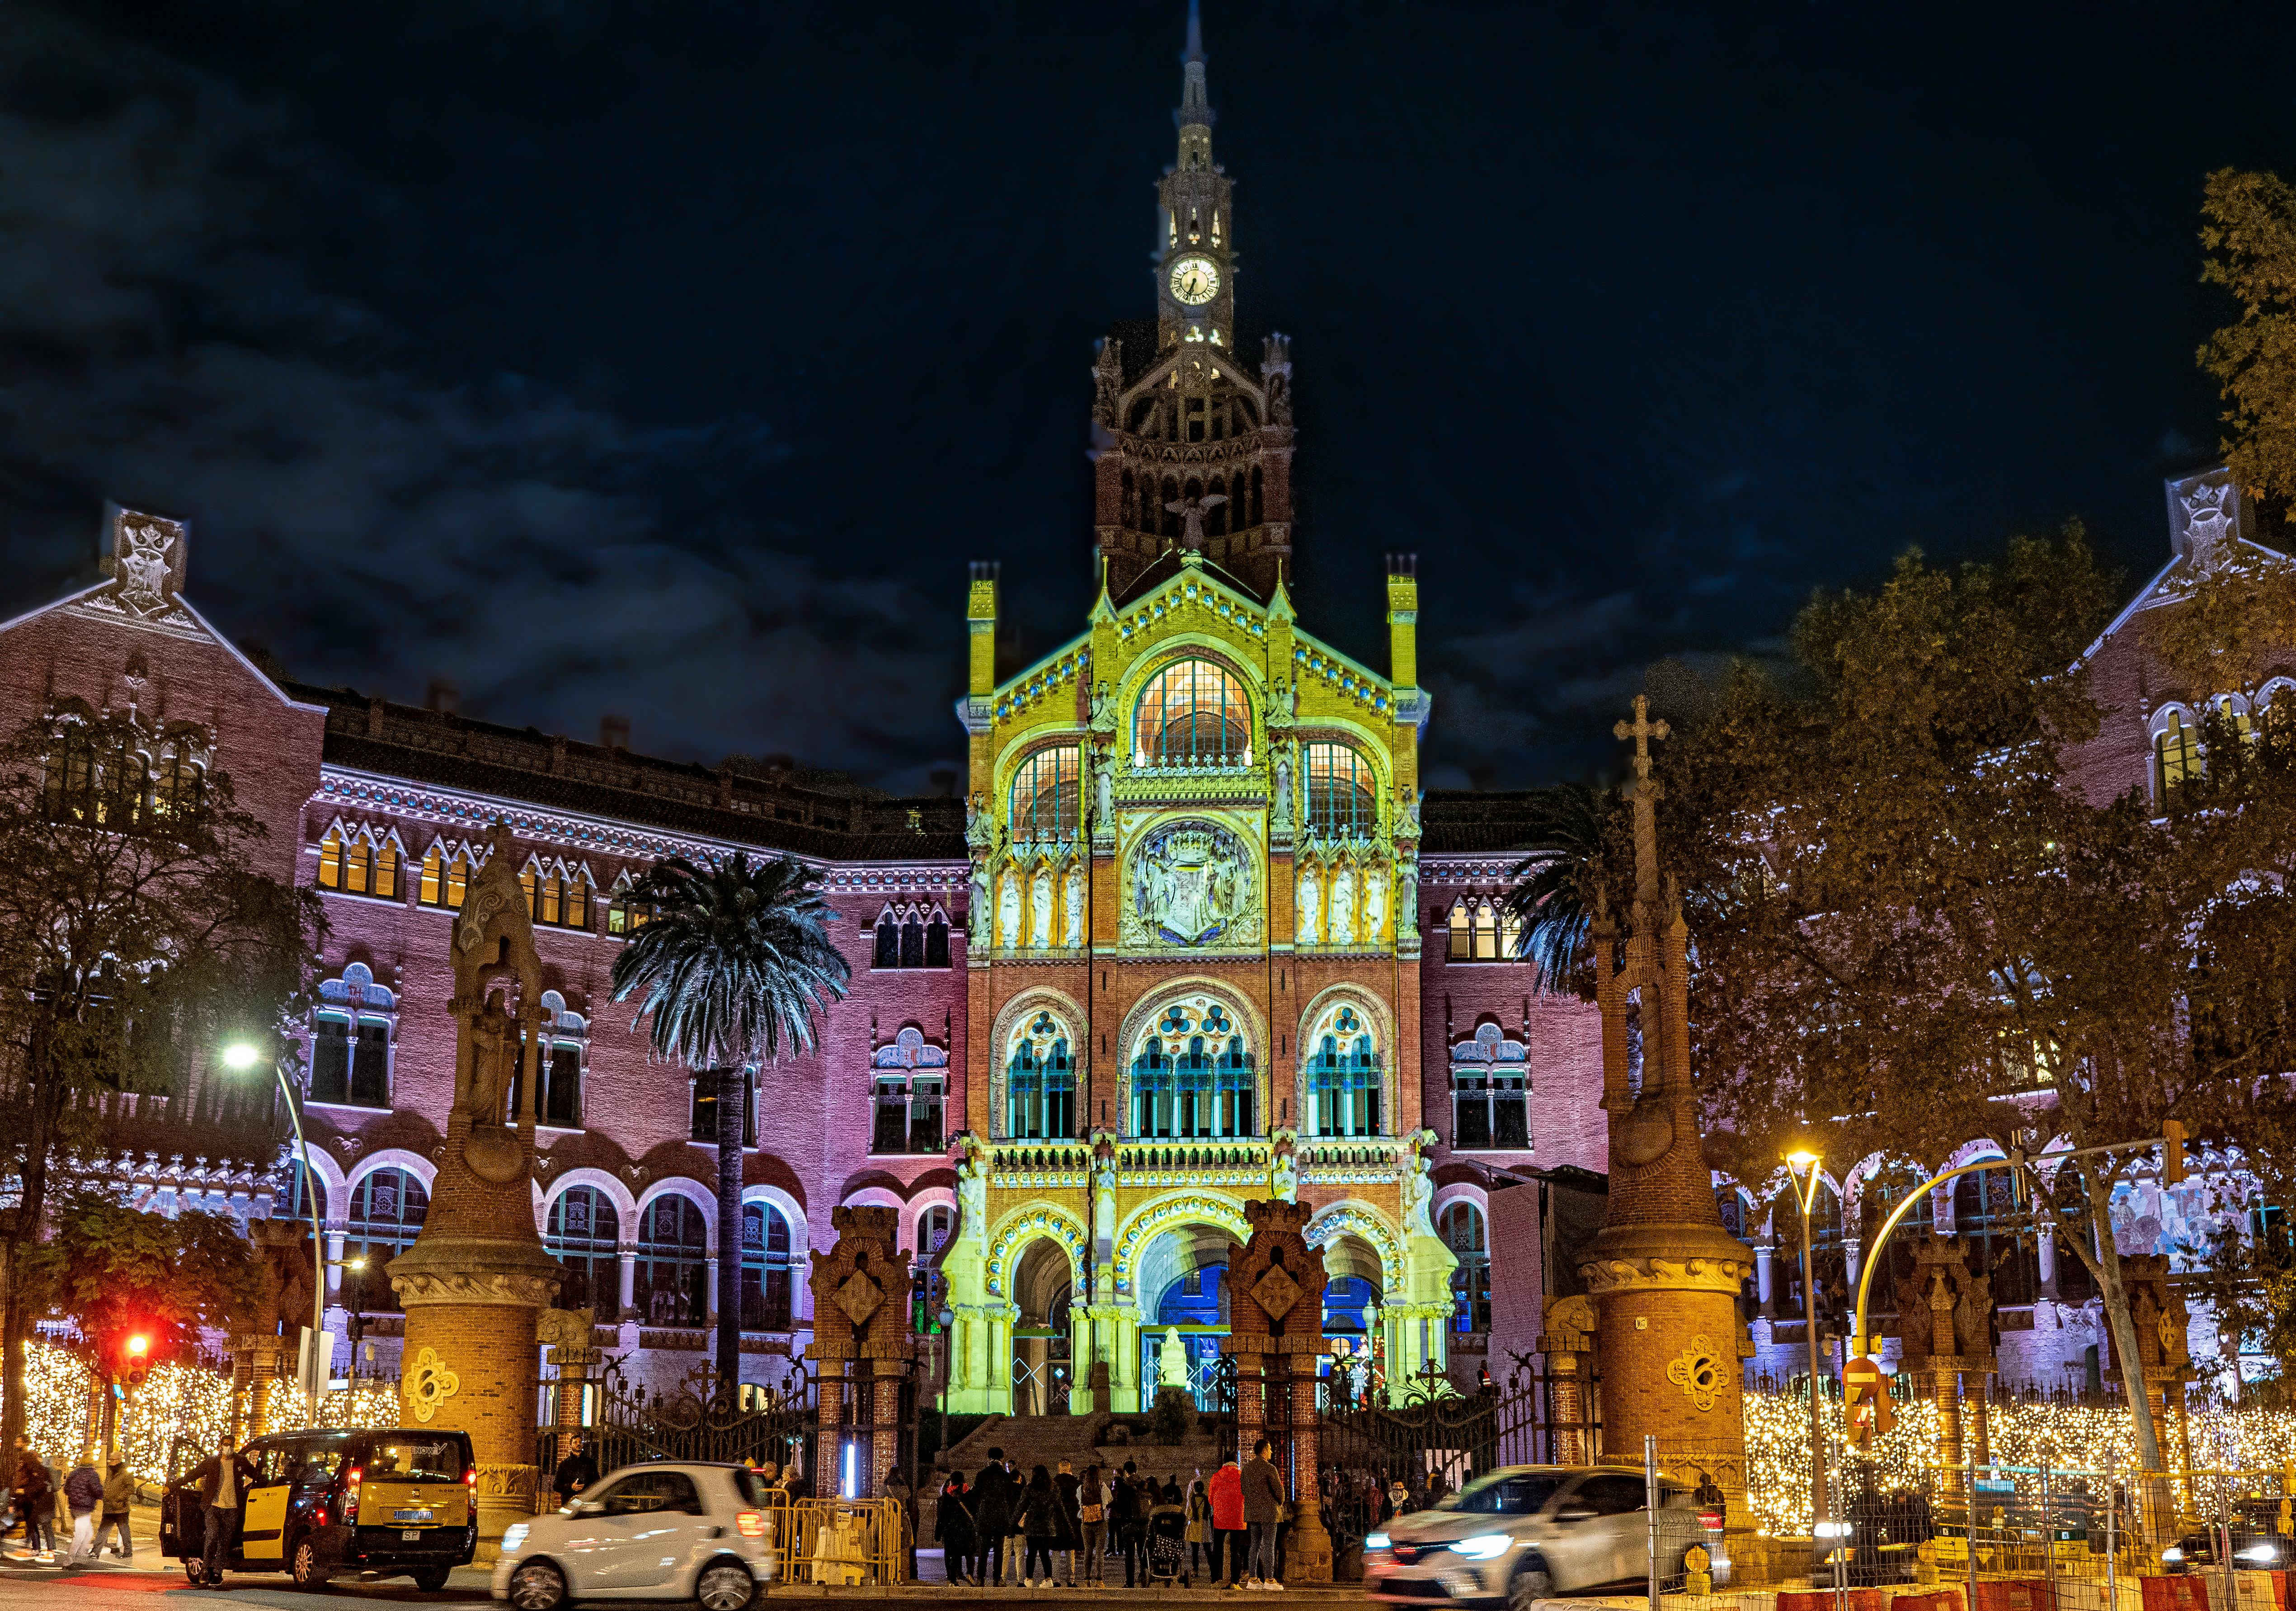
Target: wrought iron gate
<point x="628" y="1425"/>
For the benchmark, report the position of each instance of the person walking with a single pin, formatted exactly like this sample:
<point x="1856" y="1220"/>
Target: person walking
<point x="1065" y="1481"/>
<point x="1040" y="1522"/>
<point x="575" y="1473"/>
<point x="953" y="1530"/>
<point x="1092" y="1519"/>
<point x="1200" y="1529"/>
<point x="1225" y="1493"/>
<point x="898" y="1487"/>
<point x="223" y="1479"/>
<point x="84" y="1497"/>
<point x="35" y="1493"/>
<point x="992" y="1504"/>
<point x="1263" y="1509"/>
<point x="118" y="1495"/>
<point x="1132" y="1505"/>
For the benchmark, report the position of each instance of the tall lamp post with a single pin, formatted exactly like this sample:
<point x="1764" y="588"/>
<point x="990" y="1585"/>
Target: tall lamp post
<point x="1801" y="1163"/>
<point x="240" y="1056"/>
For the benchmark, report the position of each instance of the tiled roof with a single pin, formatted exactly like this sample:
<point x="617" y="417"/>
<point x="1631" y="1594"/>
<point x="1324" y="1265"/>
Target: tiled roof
<point x="1474" y="822"/>
<point x="825" y="818"/>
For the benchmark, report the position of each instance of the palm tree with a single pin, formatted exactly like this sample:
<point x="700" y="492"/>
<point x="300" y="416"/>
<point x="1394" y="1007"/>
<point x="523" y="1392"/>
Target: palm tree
<point x="731" y="963"/>
<point x="1548" y="898"/>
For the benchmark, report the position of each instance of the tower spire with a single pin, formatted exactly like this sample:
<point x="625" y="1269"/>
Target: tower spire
<point x="1195" y="95"/>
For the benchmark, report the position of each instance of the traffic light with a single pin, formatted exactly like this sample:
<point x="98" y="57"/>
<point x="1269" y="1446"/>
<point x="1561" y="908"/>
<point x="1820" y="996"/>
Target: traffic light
<point x="1865" y="1401"/>
<point x="2172" y="1152"/>
<point x="139" y="1359"/>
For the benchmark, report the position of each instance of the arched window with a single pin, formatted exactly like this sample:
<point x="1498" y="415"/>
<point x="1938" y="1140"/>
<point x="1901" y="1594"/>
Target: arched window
<point x="1481" y="932"/>
<point x="911" y="1081"/>
<point x="766" y="1269"/>
<point x="584" y="1234"/>
<point x="179" y="790"/>
<point x="568" y="1034"/>
<point x="1461" y="1227"/>
<point x="1343" y="1077"/>
<point x="446" y="878"/>
<point x="558" y="897"/>
<point x="1047" y="795"/>
<point x="1343" y="792"/>
<point x="628" y="914"/>
<point x="109" y="787"/>
<point x="2276" y="723"/>
<point x="934" y="1226"/>
<point x="1490" y="1083"/>
<point x="910" y="937"/>
<point x="1826" y="1253"/>
<point x="1040" y="1081"/>
<point x="1997" y="1228"/>
<point x="937" y="939"/>
<point x="889" y="940"/>
<point x="669" y="1288"/>
<point x="357" y="866"/>
<point x="386" y="1216"/>
<point x="1193" y="713"/>
<point x="1192" y="1075"/>
<point x="351" y="1027"/>
<point x="2176" y="757"/>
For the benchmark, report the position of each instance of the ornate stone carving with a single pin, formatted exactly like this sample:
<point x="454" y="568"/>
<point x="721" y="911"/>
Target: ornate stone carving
<point x="1192" y="885"/>
<point x="565" y="1327"/>
<point x="146" y="564"/>
<point x="427" y="1384"/>
<point x="474" y="1286"/>
<point x="1698" y="1372"/>
<point x="1695" y="1275"/>
<point x="505" y="1482"/>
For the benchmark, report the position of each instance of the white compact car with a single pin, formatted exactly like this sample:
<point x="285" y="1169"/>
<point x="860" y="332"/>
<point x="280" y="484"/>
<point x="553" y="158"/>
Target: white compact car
<point x="682" y="1532"/>
<point x="1527" y="1532"/>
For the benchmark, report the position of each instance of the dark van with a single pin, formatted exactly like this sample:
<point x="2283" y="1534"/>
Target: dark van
<point x="383" y="1504"/>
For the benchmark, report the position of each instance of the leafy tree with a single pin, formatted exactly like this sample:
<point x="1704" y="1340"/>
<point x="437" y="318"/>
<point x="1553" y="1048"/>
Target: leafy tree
<point x="1911" y="928"/>
<point x="1548" y="898"/>
<point x="116" y="1271"/>
<point x="137" y="934"/>
<point x="2251" y="238"/>
<point x="730" y="965"/>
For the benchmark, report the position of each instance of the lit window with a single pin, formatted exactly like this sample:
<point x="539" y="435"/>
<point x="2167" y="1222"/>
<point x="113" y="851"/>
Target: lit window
<point x="1342" y="793"/>
<point x="1193" y="713"/>
<point x="557" y="899"/>
<point x="2176" y="756"/>
<point x="567" y="1033"/>
<point x="1481" y="932"/>
<point x="628" y="914"/>
<point x="767" y="1268"/>
<point x="1192" y="1075"/>
<point x="358" y="867"/>
<point x="1040" y="1081"/>
<point x="179" y="790"/>
<point x="585" y="1235"/>
<point x="1343" y="1079"/>
<point x="387" y="1212"/>
<point x="703" y="1127"/>
<point x="909" y="1087"/>
<point x="1047" y="795"/>
<point x="446" y="878"/>
<point x="669" y="1284"/>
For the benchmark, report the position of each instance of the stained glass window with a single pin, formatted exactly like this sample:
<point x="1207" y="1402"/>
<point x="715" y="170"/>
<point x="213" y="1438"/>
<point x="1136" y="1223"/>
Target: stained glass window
<point x="1343" y="792"/>
<point x="1194" y="712"/>
<point x="1047" y="795"/>
<point x="583" y="1235"/>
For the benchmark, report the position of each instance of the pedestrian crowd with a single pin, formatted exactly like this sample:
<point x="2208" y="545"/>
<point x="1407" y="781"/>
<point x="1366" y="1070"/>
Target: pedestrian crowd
<point x="91" y="1506"/>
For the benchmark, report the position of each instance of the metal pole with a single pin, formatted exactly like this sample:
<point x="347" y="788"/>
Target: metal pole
<point x="1650" y="1509"/>
<point x="2048" y="1533"/>
<point x="1968" y="1491"/>
<point x="318" y="1240"/>
<point x="1817" y="1506"/>
<point x="2112" y="1544"/>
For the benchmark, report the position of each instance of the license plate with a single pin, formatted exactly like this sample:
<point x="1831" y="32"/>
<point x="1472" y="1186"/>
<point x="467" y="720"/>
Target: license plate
<point x="411" y="1516"/>
<point x="410" y="1535"/>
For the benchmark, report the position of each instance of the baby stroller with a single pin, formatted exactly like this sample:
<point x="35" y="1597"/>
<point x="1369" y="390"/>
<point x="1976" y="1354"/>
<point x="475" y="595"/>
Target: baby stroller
<point x="1168" y="1550"/>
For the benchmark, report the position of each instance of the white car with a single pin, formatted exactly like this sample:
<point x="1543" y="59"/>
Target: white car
<point x="668" y="1531"/>
<point x="1527" y="1532"/>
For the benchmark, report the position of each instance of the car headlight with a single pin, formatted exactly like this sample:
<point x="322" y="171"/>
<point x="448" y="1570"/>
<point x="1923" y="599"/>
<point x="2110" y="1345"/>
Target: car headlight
<point x="513" y="1537"/>
<point x="1483" y="1546"/>
<point x="1375" y="1541"/>
<point x="2172" y="1555"/>
<point x="2257" y="1552"/>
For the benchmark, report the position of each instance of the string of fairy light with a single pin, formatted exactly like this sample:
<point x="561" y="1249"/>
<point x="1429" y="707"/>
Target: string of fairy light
<point x="2068" y="1438"/>
<point x="188" y="1402"/>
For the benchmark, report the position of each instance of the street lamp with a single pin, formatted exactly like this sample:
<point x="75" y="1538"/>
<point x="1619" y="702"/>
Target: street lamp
<point x="1799" y="1163"/>
<point x="240" y="1056"/>
<point x="948" y="1318"/>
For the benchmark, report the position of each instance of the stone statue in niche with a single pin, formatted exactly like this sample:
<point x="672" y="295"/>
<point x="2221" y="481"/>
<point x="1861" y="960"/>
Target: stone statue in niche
<point x="976" y="914"/>
<point x="1310" y="909"/>
<point x="1418" y="1194"/>
<point x="1281" y="810"/>
<point x="1192" y="885"/>
<point x="1072" y="930"/>
<point x="1104" y="709"/>
<point x="1104" y="792"/>
<point x="1008" y="911"/>
<point x="1343" y="906"/>
<point x="1374" y="902"/>
<point x="972" y="1189"/>
<point x="980" y="822"/>
<point x="1192" y="512"/>
<point x="1285" y="1184"/>
<point x="1040" y="919"/>
<point x="1406" y="905"/>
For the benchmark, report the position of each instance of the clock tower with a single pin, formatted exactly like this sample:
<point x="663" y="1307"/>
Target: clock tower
<point x="1193" y="452"/>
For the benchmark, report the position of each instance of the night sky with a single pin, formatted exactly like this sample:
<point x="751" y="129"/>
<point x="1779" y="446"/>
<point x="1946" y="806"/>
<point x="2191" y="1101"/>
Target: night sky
<point x="671" y="359"/>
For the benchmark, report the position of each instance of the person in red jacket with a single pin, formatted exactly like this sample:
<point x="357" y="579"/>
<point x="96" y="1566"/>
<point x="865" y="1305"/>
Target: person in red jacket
<point x="1226" y="1491"/>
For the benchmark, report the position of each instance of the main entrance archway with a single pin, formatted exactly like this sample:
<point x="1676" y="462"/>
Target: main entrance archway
<point x="1041" y="1286"/>
<point x="1182" y="1282"/>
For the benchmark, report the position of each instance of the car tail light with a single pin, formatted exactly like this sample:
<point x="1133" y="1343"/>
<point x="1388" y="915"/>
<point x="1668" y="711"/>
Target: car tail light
<point x="351" y="1495"/>
<point x="469" y="1477"/>
<point x="752" y="1522"/>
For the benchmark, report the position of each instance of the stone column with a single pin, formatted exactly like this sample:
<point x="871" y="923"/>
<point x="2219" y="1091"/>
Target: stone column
<point x="335" y="1236"/>
<point x="1948" y="1402"/>
<point x="1306" y="1547"/>
<point x="627" y="1258"/>
<point x="2044" y="1246"/>
<point x="1762" y="1257"/>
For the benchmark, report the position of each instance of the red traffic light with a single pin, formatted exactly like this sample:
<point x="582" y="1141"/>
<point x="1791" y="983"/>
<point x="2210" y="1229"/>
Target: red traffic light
<point x="138" y="1345"/>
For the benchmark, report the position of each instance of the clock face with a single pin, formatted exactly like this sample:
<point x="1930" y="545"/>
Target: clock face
<point x="1195" y="281"/>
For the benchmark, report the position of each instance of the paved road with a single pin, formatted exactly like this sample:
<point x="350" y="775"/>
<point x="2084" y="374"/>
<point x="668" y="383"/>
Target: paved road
<point x="136" y="1591"/>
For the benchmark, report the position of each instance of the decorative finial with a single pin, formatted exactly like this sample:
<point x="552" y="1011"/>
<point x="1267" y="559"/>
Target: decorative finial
<point x="1196" y="51"/>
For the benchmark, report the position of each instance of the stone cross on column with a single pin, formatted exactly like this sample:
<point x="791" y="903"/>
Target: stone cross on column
<point x="1644" y="795"/>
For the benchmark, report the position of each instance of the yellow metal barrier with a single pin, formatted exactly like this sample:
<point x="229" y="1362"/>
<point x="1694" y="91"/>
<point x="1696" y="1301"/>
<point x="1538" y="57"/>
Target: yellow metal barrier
<point x="837" y="1542"/>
